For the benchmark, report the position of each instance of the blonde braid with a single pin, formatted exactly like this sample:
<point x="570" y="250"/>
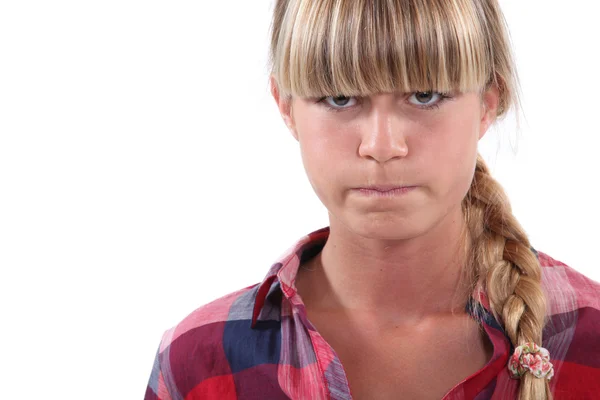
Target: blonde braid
<point x="502" y="254"/>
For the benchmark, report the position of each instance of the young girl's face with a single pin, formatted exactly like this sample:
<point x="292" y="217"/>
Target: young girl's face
<point x="416" y="139"/>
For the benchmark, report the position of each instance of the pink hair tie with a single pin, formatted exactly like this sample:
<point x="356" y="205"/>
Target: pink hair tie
<point x="533" y="358"/>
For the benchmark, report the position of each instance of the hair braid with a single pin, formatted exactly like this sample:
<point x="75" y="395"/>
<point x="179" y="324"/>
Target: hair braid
<point x="501" y="254"/>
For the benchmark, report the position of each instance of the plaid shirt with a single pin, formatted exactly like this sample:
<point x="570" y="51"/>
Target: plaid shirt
<point x="257" y="343"/>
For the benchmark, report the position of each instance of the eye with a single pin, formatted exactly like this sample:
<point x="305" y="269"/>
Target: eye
<point x="338" y="102"/>
<point x="424" y="99"/>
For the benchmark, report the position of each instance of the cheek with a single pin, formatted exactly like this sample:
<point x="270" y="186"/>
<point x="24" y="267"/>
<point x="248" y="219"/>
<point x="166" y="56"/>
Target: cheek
<point x="329" y="154"/>
<point x="324" y="142"/>
<point x="452" y="148"/>
<point x="456" y="130"/>
<point x="323" y="145"/>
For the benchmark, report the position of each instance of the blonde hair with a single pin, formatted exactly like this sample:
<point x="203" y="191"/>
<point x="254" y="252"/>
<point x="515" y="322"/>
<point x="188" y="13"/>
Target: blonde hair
<point x="362" y="47"/>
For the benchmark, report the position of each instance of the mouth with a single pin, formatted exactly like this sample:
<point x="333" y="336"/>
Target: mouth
<point x="384" y="192"/>
<point x="385" y="188"/>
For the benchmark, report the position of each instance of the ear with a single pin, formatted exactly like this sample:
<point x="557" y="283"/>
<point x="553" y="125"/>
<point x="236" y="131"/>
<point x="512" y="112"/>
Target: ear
<point x="490" y="103"/>
<point x="285" y="107"/>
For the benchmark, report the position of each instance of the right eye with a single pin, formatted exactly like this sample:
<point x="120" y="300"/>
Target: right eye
<point x="338" y="102"/>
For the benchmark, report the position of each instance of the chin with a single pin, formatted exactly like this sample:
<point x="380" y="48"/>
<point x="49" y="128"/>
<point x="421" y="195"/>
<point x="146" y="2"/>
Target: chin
<point x="385" y="227"/>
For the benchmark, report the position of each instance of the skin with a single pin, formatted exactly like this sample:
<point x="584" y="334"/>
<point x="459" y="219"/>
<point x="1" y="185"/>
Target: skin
<point x="395" y="261"/>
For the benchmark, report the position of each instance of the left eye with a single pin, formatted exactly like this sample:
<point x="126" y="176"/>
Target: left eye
<point x="424" y="98"/>
<point x="338" y="101"/>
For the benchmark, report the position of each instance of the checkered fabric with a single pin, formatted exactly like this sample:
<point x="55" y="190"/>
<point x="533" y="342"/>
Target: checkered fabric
<point x="257" y="342"/>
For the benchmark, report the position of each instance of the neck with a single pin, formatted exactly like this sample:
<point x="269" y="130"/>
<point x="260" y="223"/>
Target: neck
<point x="407" y="280"/>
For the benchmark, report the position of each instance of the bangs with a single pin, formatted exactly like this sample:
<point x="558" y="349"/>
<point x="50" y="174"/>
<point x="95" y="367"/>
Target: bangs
<point x="363" y="47"/>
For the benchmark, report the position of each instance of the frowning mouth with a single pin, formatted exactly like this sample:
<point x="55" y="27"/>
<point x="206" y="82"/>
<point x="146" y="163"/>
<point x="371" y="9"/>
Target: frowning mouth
<point x="384" y="191"/>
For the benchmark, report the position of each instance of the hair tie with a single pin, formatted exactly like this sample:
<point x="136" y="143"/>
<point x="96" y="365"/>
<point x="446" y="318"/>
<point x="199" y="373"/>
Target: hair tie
<point x="533" y="358"/>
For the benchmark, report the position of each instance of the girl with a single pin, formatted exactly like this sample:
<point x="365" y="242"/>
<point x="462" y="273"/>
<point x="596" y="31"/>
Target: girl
<point x="424" y="285"/>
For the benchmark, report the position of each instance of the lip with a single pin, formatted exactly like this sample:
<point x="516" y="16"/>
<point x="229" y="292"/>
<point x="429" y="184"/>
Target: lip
<point x="385" y="188"/>
<point x="391" y="192"/>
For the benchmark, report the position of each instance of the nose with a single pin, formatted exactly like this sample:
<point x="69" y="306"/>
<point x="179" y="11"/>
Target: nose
<point x="385" y="135"/>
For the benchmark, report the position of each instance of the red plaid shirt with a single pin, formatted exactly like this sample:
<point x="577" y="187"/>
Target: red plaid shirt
<point x="257" y="343"/>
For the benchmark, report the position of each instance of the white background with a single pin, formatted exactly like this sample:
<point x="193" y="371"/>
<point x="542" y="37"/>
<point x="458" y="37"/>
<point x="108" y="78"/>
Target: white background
<point x="144" y="171"/>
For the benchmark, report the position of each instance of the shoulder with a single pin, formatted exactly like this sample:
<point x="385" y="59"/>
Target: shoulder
<point x="572" y="329"/>
<point x="195" y="350"/>
<point x="566" y="288"/>
<point x="207" y="319"/>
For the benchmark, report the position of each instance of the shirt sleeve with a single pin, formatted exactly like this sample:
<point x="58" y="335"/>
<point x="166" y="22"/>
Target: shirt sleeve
<point x="156" y="389"/>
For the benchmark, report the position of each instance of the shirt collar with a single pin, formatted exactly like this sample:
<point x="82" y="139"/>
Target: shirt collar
<point x="282" y="277"/>
<point x="283" y="272"/>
